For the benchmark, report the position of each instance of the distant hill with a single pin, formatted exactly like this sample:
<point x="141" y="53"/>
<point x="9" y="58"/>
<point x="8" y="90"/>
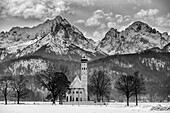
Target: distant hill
<point x="154" y="66"/>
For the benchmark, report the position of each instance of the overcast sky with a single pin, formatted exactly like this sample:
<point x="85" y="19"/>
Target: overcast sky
<point x="93" y="17"/>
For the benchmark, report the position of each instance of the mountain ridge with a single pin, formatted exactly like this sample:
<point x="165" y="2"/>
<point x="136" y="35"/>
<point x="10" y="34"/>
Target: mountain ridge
<point x="138" y="37"/>
<point x="58" y="34"/>
<point x="137" y="48"/>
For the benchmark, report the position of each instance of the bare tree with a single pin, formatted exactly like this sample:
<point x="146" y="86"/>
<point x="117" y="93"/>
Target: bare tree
<point x="56" y="82"/>
<point x="125" y="85"/>
<point x="5" y="86"/>
<point x="100" y="84"/>
<point x="139" y="85"/>
<point x="18" y="85"/>
<point x="64" y="69"/>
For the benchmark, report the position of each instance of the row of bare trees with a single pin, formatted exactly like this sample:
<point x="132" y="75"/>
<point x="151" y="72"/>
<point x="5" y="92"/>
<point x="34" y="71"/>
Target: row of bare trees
<point x="131" y="85"/>
<point x="128" y="85"/>
<point x="100" y="84"/>
<point x="53" y="78"/>
<point x="16" y="84"/>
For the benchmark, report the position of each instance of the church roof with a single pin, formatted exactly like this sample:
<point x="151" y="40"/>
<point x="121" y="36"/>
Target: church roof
<point x="76" y="83"/>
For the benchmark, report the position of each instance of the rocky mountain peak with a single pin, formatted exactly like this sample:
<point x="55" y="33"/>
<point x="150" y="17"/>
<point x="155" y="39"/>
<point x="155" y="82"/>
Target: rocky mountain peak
<point x="55" y="37"/>
<point x="112" y="33"/>
<point x="60" y="20"/>
<point x="139" y="26"/>
<point x="136" y="38"/>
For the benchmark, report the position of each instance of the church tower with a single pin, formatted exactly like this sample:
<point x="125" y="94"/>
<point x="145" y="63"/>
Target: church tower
<point x="84" y="61"/>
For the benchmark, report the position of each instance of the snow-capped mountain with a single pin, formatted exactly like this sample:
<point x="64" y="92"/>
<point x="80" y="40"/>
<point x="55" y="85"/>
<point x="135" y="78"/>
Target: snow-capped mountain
<point x="136" y="38"/>
<point x="56" y="37"/>
<point x="29" y="50"/>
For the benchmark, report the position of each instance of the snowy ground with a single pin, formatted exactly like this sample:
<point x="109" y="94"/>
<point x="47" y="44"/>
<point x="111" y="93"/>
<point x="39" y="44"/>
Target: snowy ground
<point x="38" y="107"/>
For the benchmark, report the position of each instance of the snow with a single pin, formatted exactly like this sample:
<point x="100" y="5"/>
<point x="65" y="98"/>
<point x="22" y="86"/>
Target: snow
<point x="19" y="45"/>
<point x="47" y="107"/>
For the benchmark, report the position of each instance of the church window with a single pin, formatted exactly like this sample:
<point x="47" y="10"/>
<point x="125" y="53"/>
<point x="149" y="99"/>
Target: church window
<point x="67" y="98"/>
<point x="77" y="92"/>
<point x="70" y="98"/>
<point x="76" y="98"/>
<point x="80" y="99"/>
<point x="73" y="92"/>
<point x="80" y="92"/>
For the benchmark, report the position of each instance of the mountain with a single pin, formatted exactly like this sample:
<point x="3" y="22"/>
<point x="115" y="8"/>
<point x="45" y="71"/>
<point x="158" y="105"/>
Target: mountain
<point x="56" y="39"/>
<point x="136" y="38"/>
<point x="138" y="47"/>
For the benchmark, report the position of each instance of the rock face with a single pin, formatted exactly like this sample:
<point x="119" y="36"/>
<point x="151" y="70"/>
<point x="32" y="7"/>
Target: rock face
<point x="55" y="37"/>
<point x="134" y="39"/>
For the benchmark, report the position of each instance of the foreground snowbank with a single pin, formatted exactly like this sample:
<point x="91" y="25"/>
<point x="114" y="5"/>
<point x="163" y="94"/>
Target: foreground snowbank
<point x="159" y="107"/>
<point x="40" y="107"/>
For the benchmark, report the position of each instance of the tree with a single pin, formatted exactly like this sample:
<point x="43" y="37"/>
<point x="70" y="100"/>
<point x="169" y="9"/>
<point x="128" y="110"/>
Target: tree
<point x="5" y="86"/>
<point x="139" y="85"/>
<point x="64" y="69"/>
<point x="56" y="82"/>
<point x="18" y="85"/>
<point x="125" y="85"/>
<point x="100" y="84"/>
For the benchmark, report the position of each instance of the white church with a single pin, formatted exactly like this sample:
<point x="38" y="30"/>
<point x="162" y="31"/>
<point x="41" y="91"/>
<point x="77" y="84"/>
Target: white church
<point x="78" y="87"/>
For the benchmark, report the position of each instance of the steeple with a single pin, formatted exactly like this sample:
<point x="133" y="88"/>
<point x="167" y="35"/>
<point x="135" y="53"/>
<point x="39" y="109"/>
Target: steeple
<point x="84" y="61"/>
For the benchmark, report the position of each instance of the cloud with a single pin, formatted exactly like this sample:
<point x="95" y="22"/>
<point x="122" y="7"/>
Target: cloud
<point x="139" y="2"/>
<point x="163" y="21"/>
<point x="119" y="18"/>
<point x="143" y="13"/>
<point x="94" y="20"/>
<point x="80" y="21"/>
<point x="151" y="16"/>
<point x="98" y="35"/>
<point x="103" y="26"/>
<point x="117" y="21"/>
<point x="111" y="24"/>
<point x="39" y="9"/>
<point x="127" y="18"/>
<point x="82" y="2"/>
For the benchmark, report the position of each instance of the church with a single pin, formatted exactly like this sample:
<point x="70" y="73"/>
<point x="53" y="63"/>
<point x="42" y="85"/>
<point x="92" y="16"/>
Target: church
<point x="78" y="87"/>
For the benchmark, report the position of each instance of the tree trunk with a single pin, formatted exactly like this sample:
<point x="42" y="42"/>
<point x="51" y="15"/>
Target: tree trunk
<point x="18" y="96"/>
<point x="102" y="98"/>
<point x="54" y="97"/>
<point x="53" y="100"/>
<point x="97" y="97"/>
<point x="127" y="101"/>
<point x="136" y="99"/>
<point x="60" y="100"/>
<point x="5" y="96"/>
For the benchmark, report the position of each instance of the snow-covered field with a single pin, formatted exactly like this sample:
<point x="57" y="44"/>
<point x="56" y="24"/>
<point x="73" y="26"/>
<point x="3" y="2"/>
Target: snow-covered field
<point x="39" y="107"/>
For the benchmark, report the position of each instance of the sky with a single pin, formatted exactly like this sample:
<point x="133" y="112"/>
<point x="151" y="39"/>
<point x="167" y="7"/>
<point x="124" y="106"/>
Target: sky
<point x="93" y="17"/>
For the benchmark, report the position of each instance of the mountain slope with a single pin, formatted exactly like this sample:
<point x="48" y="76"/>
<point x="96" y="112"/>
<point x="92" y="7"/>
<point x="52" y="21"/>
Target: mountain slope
<point x="136" y="38"/>
<point x="155" y="67"/>
<point x="55" y="36"/>
<point x="139" y="47"/>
